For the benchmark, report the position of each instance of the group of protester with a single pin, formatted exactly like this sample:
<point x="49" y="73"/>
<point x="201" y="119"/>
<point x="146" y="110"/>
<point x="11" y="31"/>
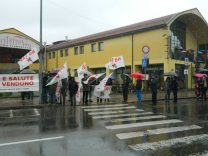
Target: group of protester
<point x="201" y="87"/>
<point x="56" y="93"/>
<point x="170" y="85"/>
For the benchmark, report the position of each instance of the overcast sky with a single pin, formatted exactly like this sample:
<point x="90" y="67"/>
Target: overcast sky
<point x="77" y="18"/>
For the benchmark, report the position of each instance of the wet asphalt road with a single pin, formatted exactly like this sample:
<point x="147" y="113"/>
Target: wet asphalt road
<point x="121" y="130"/>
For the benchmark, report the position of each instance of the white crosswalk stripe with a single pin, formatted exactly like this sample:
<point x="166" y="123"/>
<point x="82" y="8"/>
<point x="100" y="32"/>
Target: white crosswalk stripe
<point x="121" y="115"/>
<point x="168" y="143"/>
<point x="116" y="114"/>
<point x="100" y="106"/>
<point x="103" y="109"/>
<point x="142" y="124"/>
<point x="112" y="112"/>
<point x="156" y="131"/>
<point x="139" y="118"/>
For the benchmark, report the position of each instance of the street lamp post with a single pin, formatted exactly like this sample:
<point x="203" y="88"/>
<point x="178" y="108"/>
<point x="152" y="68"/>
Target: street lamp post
<point x="40" y="58"/>
<point x="45" y="56"/>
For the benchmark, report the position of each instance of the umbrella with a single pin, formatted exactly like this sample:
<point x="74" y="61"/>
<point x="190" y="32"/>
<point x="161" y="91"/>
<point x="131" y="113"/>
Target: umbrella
<point x="137" y="75"/>
<point x="27" y="71"/>
<point x="199" y="75"/>
<point x="203" y="71"/>
<point x="170" y="74"/>
<point x="123" y="75"/>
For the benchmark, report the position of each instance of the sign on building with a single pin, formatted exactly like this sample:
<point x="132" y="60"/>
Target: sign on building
<point x="144" y="62"/>
<point x="185" y="71"/>
<point x="186" y="61"/>
<point x="16" y="41"/>
<point x="145" y="50"/>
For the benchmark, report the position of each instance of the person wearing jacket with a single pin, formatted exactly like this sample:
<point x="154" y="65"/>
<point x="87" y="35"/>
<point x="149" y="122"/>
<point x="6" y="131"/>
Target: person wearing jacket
<point x="153" y="86"/>
<point x="167" y="88"/>
<point x="174" y="86"/>
<point x="86" y="89"/>
<point x="204" y="88"/>
<point x="73" y="88"/>
<point x="125" y="88"/>
<point x="139" y="92"/>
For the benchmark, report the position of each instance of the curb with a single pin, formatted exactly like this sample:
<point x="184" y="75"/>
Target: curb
<point x="68" y="105"/>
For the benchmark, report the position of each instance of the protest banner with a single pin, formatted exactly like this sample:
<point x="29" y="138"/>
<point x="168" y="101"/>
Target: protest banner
<point x="102" y="83"/>
<point x="62" y="74"/>
<point x="95" y="76"/>
<point x="104" y="94"/>
<point x="80" y="71"/>
<point x="28" y="59"/>
<point x="19" y="82"/>
<point x="115" y="63"/>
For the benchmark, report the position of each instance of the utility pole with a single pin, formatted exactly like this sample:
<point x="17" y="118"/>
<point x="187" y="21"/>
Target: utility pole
<point x="41" y="58"/>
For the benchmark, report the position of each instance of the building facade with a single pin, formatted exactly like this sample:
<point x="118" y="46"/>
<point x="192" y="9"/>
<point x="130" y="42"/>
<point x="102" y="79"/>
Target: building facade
<point x="13" y="46"/>
<point x="170" y="39"/>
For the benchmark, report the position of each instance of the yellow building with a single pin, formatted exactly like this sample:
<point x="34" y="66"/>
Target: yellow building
<point x="14" y="45"/>
<point x="170" y="40"/>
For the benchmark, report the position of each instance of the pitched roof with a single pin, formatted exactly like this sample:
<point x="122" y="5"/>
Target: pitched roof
<point x="130" y="29"/>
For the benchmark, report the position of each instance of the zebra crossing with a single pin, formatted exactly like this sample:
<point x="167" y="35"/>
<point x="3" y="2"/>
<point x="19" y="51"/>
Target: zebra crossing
<point x="128" y="122"/>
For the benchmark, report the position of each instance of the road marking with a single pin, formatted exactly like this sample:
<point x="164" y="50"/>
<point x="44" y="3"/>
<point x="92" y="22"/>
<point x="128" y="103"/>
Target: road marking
<point x="204" y="153"/>
<point x="169" y="143"/>
<point x="142" y="124"/>
<point x="156" y="131"/>
<point x="30" y="141"/>
<point x="103" y="109"/>
<point x="98" y="106"/>
<point x="11" y="115"/>
<point x="36" y="112"/>
<point x="138" y="118"/>
<point x="113" y="112"/>
<point x="121" y="115"/>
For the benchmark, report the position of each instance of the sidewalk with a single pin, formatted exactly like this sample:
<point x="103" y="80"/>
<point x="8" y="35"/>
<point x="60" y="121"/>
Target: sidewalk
<point x="17" y="103"/>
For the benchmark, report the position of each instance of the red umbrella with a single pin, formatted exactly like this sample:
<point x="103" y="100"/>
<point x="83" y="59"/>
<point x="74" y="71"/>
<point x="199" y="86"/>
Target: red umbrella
<point x="137" y="75"/>
<point x="199" y="75"/>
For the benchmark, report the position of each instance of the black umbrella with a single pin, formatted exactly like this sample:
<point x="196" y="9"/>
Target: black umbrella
<point x="170" y="74"/>
<point x="123" y="75"/>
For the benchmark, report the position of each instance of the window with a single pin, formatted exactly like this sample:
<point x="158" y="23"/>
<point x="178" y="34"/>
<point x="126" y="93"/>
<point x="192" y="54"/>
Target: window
<point x="100" y="46"/>
<point x="75" y="73"/>
<point x="177" y="39"/>
<point x="66" y="52"/>
<point x="53" y="54"/>
<point x="81" y="49"/>
<point x="61" y="53"/>
<point x="49" y="55"/>
<point x="93" y="47"/>
<point x="75" y="50"/>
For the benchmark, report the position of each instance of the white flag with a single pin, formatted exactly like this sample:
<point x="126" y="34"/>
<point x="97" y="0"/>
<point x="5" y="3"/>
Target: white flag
<point x="102" y="83"/>
<point x="96" y="76"/>
<point x="115" y="63"/>
<point x="105" y="94"/>
<point x="81" y="70"/>
<point x="28" y="59"/>
<point x="62" y="74"/>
